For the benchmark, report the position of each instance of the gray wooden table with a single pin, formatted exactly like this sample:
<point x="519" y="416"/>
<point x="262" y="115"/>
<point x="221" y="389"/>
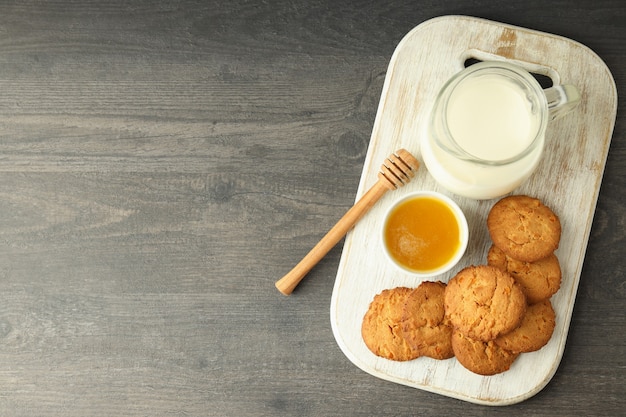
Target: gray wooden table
<point x="162" y="164"/>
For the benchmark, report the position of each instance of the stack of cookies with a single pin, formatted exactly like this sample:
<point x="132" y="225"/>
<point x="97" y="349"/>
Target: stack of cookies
<point x="525" y="234"/>
<point x="402" y="324"/>
<point x="487" y="315"/>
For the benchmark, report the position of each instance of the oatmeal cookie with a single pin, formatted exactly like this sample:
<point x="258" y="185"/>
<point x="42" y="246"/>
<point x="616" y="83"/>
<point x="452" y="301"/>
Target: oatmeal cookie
<point x="534" y="332"/>
<point x="483" y="358"/>
<point x="524" y="228"/>
<point x="424" y="325"/>
<point x="483" y="302"/>
<point x="381" y="327"/>
<point x="539" y="280"/>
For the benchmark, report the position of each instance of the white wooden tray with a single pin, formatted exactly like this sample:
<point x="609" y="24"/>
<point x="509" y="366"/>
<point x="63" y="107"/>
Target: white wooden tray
<point x="568" y="180"/>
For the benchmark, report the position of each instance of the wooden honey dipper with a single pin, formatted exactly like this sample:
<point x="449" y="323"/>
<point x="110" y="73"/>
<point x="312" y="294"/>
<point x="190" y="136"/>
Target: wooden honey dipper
<point x="397" y="170"/>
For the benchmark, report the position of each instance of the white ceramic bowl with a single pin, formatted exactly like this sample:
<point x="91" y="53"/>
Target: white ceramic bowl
<point x="461" y="223"/>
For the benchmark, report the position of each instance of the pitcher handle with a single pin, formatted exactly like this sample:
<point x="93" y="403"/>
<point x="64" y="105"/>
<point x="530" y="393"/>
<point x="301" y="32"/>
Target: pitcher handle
<point x="562" y="99"/>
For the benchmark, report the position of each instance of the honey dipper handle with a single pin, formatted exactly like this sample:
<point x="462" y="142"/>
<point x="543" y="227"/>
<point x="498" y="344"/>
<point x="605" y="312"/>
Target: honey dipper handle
<point x="287" y="283"/>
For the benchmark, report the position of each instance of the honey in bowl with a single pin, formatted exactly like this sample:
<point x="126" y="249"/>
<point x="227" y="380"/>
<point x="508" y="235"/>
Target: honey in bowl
<point x="425" y="233"/>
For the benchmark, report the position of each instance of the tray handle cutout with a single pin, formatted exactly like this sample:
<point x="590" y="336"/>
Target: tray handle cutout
<point x="546" y="76"/>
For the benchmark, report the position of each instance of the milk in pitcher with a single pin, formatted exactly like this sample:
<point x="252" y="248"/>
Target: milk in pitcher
<point x="490" y="118"/>
<point x="486" y="134"/>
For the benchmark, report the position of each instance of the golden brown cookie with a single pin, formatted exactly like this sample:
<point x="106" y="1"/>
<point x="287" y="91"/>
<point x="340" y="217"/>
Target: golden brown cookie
<point x="534" y="332"/>
<point x="539" y="280"/>
<point x="483" y="358"/>
<point x="381" y="328"/>
<point x="524" y="228"/>
<point x="424" y="325"/>
<point x="483" y="302"/>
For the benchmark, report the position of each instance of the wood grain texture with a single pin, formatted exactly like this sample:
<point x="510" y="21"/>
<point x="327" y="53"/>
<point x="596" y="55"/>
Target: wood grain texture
<point x="162" y="164"/>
